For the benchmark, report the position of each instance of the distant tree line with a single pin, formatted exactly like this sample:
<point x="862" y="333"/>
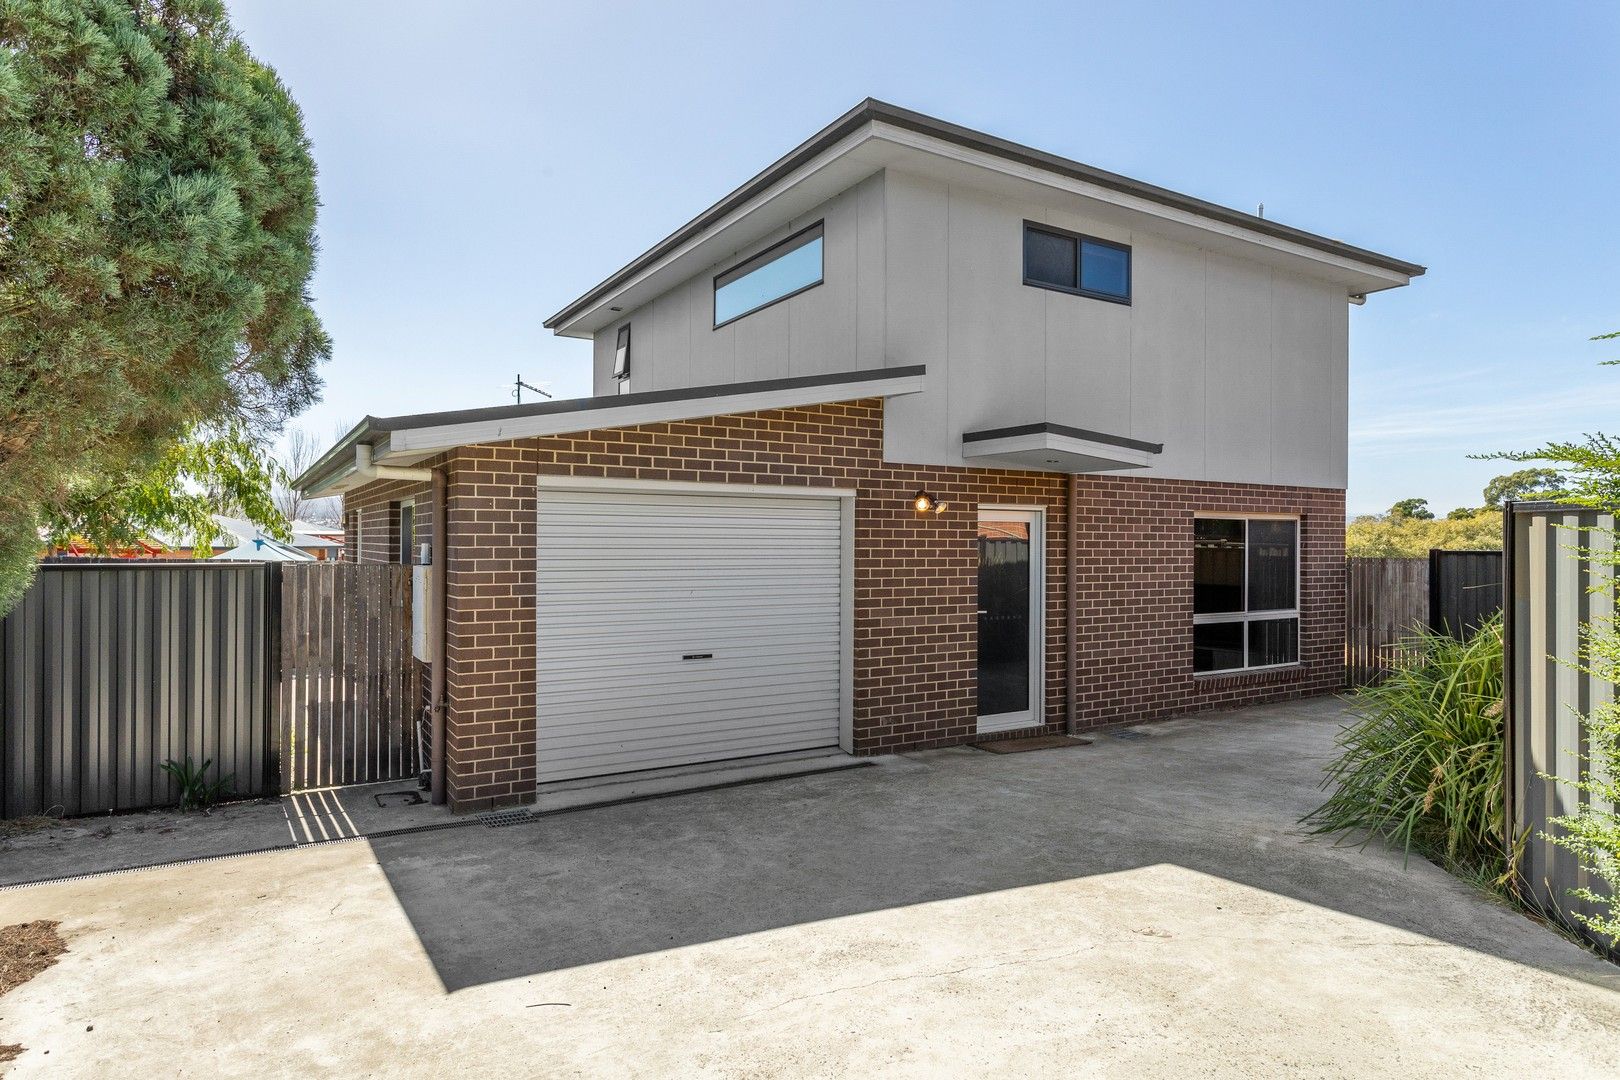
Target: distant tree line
<point x="1409" y="529"/>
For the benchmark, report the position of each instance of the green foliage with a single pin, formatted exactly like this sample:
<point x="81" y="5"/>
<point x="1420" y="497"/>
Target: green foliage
<point x="210" y="471"/>
<point x="1411" y="538"/>
<point x="1462" y="513"/>
<point x="1592" y="833"/>
<point x="1422" y="764"/>
<point x="157" y="217"/>
<point x="1523" y="484"/>
<point x="197" y="792"/>
<point x="1417" y="509"/>
<point x="1590" y="474"/>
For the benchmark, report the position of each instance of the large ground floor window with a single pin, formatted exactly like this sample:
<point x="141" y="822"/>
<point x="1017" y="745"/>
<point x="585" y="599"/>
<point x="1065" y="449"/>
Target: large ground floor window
<point x="1245" y="593"/>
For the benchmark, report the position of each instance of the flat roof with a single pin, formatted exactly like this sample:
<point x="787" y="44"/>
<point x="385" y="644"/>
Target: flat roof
<point x="873" y="110"/>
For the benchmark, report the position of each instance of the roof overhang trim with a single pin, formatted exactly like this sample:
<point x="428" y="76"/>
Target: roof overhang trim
<point x="403" y="440"/>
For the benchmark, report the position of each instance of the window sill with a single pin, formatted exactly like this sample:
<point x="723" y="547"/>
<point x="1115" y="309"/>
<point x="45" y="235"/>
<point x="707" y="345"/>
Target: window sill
<point x="1273" y="673"/>
<point x="1089" y="294"/>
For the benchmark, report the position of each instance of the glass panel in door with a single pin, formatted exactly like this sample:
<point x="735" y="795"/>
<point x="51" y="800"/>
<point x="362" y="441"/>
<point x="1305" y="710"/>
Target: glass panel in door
<point x="1004" y="615"/>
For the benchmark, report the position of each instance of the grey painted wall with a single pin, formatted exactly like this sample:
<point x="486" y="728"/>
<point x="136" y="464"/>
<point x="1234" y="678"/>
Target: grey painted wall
<point x="1240" y="370"/>
<point x="837" y="326"/>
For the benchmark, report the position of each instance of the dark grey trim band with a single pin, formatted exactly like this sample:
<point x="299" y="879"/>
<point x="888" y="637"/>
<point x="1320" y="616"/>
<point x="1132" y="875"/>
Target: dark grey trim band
<point x="379" y="426"/>
<point x="645" y="397"/>
<point x="1066" y="432"/>
<point x="872" y="109"/>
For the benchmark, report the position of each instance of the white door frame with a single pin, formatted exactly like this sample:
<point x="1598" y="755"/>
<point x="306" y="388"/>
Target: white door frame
<point x="846" y="559"/>
<point x="1035" y="714"/>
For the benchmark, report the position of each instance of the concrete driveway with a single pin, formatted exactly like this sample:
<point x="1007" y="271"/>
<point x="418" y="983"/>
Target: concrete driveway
<point x="1141" y="907"/>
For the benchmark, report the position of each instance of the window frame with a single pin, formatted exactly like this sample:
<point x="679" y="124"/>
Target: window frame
<point x="1080" y="240"/>
<point x="783" y="247"/>
<point x="1246" y="616"/>
<point x="621" y="352"/>
<point x="405" y="550"/>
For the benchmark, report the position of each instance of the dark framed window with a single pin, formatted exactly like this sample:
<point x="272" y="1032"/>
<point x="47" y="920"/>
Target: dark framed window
<point x="1073" y="263"/>
<point x="407" y="533"/>
<point x="1245" y="593"/>
<point x="782" y="270"/>
<point x="621" y="353"/>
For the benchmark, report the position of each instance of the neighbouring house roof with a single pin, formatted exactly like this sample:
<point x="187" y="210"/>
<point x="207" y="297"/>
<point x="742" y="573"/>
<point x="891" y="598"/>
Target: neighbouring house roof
<point x="404" y="440"/>
<point x="264" y="549"/>
<point x="875" y="135"/>
<point x="238" y="531"/>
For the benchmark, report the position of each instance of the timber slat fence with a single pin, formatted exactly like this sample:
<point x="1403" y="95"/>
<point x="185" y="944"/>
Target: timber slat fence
<point x="1388" y="600"/>
<point x="347" y="689"/>
<point x="286" y="676"/>
<point x="1384" y="600"/>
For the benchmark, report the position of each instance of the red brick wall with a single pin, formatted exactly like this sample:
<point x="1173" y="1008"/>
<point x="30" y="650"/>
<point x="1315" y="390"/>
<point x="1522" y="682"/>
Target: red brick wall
<point x="375" y="509"/>
<point x="915" y="580"/>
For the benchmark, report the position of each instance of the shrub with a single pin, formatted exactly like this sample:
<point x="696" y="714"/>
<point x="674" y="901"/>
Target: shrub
<point x="1422" y="763"/>
<point x="197" y="792"/>
<point x="1411" y="538"/>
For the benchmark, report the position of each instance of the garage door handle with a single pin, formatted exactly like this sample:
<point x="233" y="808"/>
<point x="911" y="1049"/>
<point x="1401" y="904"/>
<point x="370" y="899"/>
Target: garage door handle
<point x="698" y="656"/>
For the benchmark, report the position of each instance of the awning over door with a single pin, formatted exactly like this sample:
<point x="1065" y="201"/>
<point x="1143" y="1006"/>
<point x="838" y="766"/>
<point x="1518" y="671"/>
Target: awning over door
<point x="1056" y="448"/>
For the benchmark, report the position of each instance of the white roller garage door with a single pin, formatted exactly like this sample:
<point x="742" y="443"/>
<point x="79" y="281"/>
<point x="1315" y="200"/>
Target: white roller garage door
<point x="684" y="627"/>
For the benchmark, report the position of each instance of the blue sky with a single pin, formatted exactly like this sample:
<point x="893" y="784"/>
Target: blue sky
<point x="482" y="163"/>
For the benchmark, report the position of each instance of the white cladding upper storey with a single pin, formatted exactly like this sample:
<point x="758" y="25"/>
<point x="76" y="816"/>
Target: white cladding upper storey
<point x="1233" y="352"/>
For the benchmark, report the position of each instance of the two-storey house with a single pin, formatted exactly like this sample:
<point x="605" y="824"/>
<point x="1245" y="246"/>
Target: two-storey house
<point x="916" y="438"/>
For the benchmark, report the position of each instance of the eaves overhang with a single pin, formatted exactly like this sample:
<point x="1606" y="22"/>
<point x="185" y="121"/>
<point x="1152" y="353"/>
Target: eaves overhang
<point x="903" y="131"/>
<point x="406" y="440"/>
<point x="1045" y="447"/>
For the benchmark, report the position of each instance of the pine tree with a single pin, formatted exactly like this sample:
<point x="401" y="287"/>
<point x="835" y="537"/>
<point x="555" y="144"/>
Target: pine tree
<point x="157" y="237"/>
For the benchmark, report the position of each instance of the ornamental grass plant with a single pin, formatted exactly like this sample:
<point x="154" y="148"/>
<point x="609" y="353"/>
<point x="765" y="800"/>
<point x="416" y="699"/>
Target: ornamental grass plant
<point x="1421" y="766"/>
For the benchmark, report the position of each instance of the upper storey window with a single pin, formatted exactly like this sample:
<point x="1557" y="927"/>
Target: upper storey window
<point x="780" y="271"/>
<point x="1083" y="265"/>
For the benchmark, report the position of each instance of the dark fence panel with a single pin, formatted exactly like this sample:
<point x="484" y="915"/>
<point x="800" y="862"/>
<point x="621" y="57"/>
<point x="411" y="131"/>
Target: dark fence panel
<point x="109" y="670"/>
<point x="1465" y="590"/>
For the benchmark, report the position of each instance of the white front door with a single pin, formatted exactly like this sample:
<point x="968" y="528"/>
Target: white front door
<point x="1011" y="617"/>
<point x="684" y="626"/>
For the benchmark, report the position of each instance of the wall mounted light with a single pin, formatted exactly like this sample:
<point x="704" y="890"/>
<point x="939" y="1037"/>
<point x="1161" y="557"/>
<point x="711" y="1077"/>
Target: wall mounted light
<point x="924" y="503"/>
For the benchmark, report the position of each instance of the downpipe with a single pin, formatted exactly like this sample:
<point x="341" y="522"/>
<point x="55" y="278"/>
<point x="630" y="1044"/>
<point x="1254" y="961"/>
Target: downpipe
<point x="441" y="621"/>
<point x="1071" y="614"/>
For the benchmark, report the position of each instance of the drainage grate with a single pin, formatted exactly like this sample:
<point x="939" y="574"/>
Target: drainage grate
<point x="1128" y="733"/>
<point x="500" y="819"/>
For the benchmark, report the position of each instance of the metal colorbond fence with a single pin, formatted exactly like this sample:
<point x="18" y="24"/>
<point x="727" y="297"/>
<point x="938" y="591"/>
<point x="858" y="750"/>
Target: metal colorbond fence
<point x="287" y="676"/>
<point x="1548" y="584"/>
<point x="1465" y="590"/>
<point x="107" y="671"/>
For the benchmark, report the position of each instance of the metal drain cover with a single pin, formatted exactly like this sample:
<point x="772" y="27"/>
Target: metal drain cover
<point x="1128" y="733"/>
<point x="502" y="818"/>
<point x="386" y="799"/>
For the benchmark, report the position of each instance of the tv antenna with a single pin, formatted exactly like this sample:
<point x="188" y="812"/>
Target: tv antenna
<point x="518" y="386"/>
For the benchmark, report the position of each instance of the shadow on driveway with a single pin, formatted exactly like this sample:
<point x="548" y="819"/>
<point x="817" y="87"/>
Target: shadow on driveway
<point x="1219" y="794"/>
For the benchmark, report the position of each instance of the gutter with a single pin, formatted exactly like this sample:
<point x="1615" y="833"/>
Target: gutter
<point x="367" y="469"/>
